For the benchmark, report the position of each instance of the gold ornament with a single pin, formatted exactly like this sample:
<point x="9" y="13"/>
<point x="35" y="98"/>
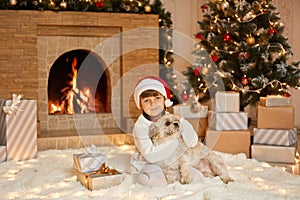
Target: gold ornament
<point x="205" y="70"/>
<point x="195" y="107"/>
<point x="147" y="8"/>
<point x="250" y="40"/>
<point x="224" y="6"/>
<point x="63" y="4"/>
<point x="13" y="2"/>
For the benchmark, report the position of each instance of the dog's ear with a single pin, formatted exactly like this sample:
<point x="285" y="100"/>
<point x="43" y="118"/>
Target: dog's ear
<point x="153" y="130"/>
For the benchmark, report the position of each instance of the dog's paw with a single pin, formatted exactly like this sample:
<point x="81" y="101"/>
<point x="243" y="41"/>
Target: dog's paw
<point x="226" y="178"/>
<point x="186" y="179"/>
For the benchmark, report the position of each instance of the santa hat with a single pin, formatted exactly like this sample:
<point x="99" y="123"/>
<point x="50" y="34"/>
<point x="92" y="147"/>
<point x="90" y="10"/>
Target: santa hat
<point x="152" y="83"/>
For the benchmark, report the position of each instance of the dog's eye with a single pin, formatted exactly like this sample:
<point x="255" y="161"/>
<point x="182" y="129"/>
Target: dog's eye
<point x="167" y="123"/>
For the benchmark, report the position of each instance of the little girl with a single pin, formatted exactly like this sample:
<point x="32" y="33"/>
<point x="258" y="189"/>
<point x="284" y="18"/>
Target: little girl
<point x="152" y="96"/>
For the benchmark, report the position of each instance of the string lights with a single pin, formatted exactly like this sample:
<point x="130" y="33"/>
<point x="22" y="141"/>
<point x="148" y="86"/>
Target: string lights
<point x="244" y="41"/>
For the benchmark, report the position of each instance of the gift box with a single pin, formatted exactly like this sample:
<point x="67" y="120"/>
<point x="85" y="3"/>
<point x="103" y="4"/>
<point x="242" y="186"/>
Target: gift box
<point x="275" y="136"/>
<point x="199" y="125"/>
<point x="227" y="101"/>
<point x="89" y="161"/>
<point x="19" y="128"/>
<point x="186" y="111"/>
<point x="233" y="142"/>
<point x="275" y="100"/>
<point x="3" y="153"/>
<point x="275" y="117"/>
<point x="96" y="181"/>
<point x="271" y="153"/>
<point x="228" y="121"/>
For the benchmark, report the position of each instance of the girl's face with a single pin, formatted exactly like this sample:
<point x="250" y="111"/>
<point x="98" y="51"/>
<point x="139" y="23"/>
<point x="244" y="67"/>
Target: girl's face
<point x="153" y="105"/>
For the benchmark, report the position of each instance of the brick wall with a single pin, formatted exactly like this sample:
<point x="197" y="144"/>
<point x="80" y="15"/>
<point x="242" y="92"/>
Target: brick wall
<point x="26" y="35"/>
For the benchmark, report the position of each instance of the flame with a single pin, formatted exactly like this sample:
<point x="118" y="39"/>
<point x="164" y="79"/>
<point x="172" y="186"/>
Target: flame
<point x="77" y="96"/>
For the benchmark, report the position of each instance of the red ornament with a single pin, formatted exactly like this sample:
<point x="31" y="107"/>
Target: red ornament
<point x="99" y="4"/>
<point x="184" y="96"/>
<point x="199" y="36"/>
<point x="214" y="57"/>
<point x="272" y="31"/>
<point x="226" y="37"/>
<point x="204" y="8"/>
<point x="245" y="80"/>
<point x="244" y="55"/>
<point x="287" y="94"/>
<point x="196" y="72"/>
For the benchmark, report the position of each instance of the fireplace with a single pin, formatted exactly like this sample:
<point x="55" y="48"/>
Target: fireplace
<point x="34" y="51"/>
<point x="78" y="83"/>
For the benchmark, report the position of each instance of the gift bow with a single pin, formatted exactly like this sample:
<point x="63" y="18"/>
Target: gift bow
<point x="92" y="149"/>
<point x="16" y="100"/>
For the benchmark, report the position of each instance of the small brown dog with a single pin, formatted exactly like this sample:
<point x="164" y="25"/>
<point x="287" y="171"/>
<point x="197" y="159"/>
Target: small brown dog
<point x="200" y="157"/>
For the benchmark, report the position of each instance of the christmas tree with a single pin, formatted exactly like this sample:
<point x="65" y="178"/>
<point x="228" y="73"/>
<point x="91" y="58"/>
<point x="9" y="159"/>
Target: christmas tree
<point x="240" y="47"/>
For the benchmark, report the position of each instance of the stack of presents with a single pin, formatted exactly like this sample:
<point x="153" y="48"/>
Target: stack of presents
<point x="18" y="129"/>
<point x="275" y="137"/>
<point x="228" y="126"/>
<point x="226" y="129"/>
<point x="92" y="170"/>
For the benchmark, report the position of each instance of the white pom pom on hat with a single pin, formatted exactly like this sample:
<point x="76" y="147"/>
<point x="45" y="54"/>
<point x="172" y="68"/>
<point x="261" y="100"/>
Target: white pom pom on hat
<point x="152" y="83"/>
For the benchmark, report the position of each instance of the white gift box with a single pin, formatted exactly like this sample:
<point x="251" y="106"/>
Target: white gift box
<point x="19" y="129"/>
<point x="186" y="112"/>
<point x="3" y="153"/>
<point x="275" y="100"/>
<point x="228" y="121"/>
<point x="99" y="181"/>
<point x="88" y="162"/>
<point x="275" y="136"/>
<point x="271" y="153"/>
<point x="227" y="101"/>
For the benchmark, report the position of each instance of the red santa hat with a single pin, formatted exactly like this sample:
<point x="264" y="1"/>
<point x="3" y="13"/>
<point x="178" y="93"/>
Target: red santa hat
<point x="152" y="83"/>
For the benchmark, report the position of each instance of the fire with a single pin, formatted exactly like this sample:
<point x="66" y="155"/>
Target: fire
<point x="74" y="100"/>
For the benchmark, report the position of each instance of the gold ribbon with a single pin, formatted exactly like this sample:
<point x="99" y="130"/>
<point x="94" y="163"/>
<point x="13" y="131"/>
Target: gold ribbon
<point x="102" y="170"/>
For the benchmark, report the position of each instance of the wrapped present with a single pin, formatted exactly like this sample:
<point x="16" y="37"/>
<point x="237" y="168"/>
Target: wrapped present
<point x="228" y="121"/>
<point x="19" y="128"/>
<point x="275" y="100"/>
<point x="103" y="178"/>
<point x="3" y="153"/>
<point x="275" y="117"/>
<point x="89" y="161"/>
<point x="275" y="136"/>
<point x="199" y="125"/>
<point x="186" y="111"/>
<point x="229" y="141"/>
<point x="271" y="153"/>
<point x="227" y="101"/>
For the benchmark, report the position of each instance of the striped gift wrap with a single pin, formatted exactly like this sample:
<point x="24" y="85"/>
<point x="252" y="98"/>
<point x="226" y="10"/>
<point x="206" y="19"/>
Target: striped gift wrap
<point x="88" y="162"/>
<point x="19" y="130"/>
<point x="3" y="153"/>
<point x="228" y="121"/>
<point x="275" y="136"/>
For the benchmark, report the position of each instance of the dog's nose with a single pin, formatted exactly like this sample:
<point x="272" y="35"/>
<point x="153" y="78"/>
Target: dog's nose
<point x="176" y="124"/>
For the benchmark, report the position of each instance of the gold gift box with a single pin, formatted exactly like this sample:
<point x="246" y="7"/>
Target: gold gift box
<point x="275" y="117"/>
<point x="232" y="142"/>
<point x="101" y="179"/>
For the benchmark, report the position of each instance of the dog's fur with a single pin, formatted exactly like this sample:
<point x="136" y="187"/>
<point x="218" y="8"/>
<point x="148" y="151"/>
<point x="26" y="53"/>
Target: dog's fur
<point x="180" y="162"/>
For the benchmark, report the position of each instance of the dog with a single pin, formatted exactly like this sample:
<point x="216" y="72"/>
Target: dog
<point x="200" y="157"/>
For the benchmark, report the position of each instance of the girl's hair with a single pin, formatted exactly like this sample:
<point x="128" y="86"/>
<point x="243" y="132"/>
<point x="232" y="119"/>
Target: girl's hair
<point x="149" y="93"/>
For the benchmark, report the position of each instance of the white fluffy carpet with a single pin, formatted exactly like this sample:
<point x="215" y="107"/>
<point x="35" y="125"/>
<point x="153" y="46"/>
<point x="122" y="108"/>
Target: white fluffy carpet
<point x="51" y="176"/>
